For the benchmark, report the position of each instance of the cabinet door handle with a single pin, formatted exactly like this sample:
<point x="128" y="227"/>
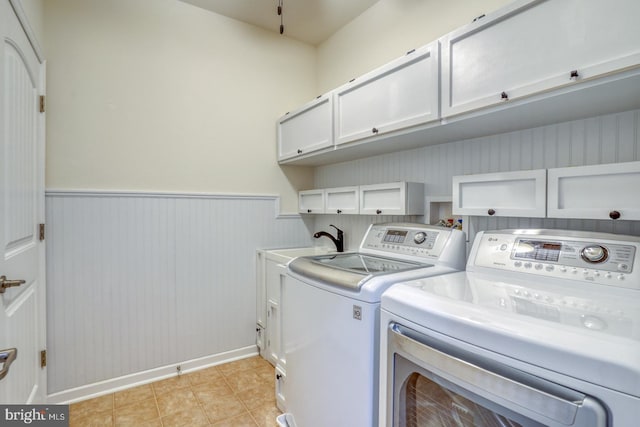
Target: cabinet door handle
<point x="491" y="212"/>
<point x="299" y="151"/>
<point x="614" y="215"/>
<point x="573" y="75"/>
<point x="374" y="130"/>
<point x="308" y="210"/>
<point x="504" y="96"/>
<point x="378" y="211"/>
<point x="339" y="211"/>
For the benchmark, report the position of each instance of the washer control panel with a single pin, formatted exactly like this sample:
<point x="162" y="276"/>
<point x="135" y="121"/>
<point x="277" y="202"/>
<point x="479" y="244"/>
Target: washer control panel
<point x="414" y="240"/>
<point x="593" y="257"/>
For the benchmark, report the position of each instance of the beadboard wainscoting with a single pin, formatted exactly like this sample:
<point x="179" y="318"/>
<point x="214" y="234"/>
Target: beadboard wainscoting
<point x="139" y="283"/>
<point x="604" y="139"/>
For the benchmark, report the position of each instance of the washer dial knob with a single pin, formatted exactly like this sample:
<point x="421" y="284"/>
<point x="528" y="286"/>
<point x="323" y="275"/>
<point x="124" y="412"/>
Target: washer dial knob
<point x="594" y="254"/>
<point x="420" y="237"/>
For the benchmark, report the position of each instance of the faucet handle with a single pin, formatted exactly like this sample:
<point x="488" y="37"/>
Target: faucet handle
<point x="337" y="229"/>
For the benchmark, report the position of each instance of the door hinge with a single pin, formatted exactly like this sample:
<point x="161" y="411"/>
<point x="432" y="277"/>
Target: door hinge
<point x="42" y="104"/>
<point x="41" y="232"/>
<point x="43" y="358"/>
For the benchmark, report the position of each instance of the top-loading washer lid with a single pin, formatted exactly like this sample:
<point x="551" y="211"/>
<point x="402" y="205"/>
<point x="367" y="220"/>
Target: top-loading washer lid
<point x="349" y="270"/>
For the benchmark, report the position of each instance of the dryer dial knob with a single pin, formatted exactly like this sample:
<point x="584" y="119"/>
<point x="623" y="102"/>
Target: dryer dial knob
<point x="420" y="237"/>
<point x="594" y="254"/>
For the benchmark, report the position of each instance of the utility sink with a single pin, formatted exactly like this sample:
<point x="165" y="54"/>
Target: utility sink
<point x="285" y="255"/>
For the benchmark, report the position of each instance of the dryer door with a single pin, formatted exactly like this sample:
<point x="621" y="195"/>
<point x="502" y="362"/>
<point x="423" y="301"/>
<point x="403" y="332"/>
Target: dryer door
<point x="435" y="383"/>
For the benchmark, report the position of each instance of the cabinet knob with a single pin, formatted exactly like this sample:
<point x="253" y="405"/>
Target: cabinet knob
<point x="278" y="376"/>
<point x="614" y="215"/>
<point x="504" y="96"/>
<point x="339" y="211"/>
<point x="378" y="211"/>
<point x="491" y="212"/>
<point x="374" y="130"/>
<point x="574" y="74"/>
<point x="308" y="210"/>
<point x="299" y="151"/>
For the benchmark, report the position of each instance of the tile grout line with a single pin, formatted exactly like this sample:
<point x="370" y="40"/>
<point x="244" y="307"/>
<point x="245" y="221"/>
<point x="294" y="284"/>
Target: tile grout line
<point x="200" y="404"/>
<point x="155" y="400"/>
<point x="235" y="394"/>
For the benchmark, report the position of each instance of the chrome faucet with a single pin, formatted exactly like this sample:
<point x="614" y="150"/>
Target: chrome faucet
<point x="339" y="242"/>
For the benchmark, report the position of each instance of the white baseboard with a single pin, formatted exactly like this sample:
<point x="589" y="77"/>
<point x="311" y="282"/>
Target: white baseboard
<point x="139" y="378"/>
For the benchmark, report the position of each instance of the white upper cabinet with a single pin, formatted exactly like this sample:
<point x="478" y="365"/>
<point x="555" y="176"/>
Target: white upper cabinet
<point x="400" y="94"/>
<point x="526" y="65"/>
<point x="342" y="200"/>
<point x="308" y="129"/>
<point x="532" y="46"/>
<point x="514" y="194"/>
<point x="396" y="198"/>
<point x="609" y="191"/>
<point x="311" y="201"/>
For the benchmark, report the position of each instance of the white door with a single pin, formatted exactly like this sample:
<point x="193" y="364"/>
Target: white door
<point x="22" y="308"/>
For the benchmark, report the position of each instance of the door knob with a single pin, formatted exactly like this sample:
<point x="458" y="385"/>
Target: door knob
<point x="4" y="283"/>
<point x="6" y="358"/>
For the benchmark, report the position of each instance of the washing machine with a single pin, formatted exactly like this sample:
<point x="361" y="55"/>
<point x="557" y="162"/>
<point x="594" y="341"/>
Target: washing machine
<point x="331" y="314"/>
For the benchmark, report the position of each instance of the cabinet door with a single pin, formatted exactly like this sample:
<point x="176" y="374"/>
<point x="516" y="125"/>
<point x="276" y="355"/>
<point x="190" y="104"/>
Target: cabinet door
<point x="516" y="194"/>
<point x="397" y="198"/>
<point x="610" y="191"/>
<point x="307" y="129"/>
<point x="400" y="94"/>
<point x="281" y="398"/>
<point x="533" y="46"/>
<point x="343" y="200"/>
<point x="276" y="275"/>
<point x="261" y="290"/>
<point x="311" y="201"/>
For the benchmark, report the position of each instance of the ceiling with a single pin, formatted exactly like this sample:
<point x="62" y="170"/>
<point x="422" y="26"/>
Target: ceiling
<point x="310" y="21"/>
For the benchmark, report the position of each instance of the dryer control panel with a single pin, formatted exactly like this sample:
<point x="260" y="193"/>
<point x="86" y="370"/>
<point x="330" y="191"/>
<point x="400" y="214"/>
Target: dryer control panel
<point x="607" y="259"/>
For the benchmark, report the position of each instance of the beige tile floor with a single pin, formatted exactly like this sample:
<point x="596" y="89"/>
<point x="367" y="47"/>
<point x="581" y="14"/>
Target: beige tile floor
<point x="236" y="394"/>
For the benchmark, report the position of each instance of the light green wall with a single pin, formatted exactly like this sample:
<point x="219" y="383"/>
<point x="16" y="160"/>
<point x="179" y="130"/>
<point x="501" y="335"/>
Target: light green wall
<point x="164" y="96"/>
<point x="389" y="29"/>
